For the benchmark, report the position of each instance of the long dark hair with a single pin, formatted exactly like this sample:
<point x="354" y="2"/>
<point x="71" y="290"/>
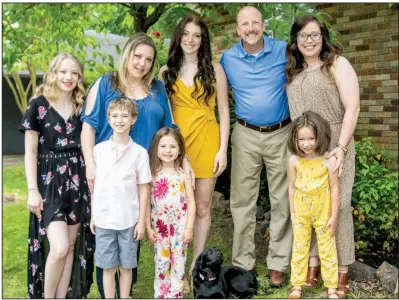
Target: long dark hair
<point x="205" y="73"/>
<point x="296" y="62"/>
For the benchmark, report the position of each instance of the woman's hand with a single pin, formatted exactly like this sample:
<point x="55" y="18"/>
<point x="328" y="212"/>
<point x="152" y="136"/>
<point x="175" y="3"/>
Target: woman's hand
<point x="332" y="224"/>
<point x="339" y="155"/>
<point x="92" y="227"/>
<point x="91" y="175"/>
<point x="188" y="236"/>
<point x="35" y="203"/>
<point x="189" y="172"/>
<point x="220" y="163"/>
<point x="151" y="235"/>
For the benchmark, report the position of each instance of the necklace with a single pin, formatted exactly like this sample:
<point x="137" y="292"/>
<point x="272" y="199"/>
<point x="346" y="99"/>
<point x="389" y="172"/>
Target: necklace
<point x="133" y="88"/>
<point x="190" y="61"/>
<point x="186" y="63"/>
<point x="313" y="66"/>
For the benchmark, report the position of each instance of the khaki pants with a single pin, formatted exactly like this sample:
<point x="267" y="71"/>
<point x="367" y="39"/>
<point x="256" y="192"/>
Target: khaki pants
<point x="250" y="150"/>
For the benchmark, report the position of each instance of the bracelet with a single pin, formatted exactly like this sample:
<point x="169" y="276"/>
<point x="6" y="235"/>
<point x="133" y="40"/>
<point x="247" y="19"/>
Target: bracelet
<point x="32" y="189"/>
<point x="343" y="148"/>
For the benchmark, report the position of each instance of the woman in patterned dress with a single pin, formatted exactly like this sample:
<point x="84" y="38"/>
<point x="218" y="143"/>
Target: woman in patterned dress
<point x="58" y="195"/>
<point x="323" y="81"/>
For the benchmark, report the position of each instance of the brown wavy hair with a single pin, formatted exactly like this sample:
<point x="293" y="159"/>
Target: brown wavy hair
<point x="296" y="62"/>
<point x="321" y="129"/>
<point x="48" y="87"/>
<point x="205" y="74"/>
<point x="155" y="162"/>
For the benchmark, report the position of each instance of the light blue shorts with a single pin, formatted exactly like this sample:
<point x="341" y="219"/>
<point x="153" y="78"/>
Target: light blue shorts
<point x="116" y="247"/>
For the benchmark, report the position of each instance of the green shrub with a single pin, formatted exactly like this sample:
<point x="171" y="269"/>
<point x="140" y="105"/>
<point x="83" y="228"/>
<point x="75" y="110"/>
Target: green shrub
<point x="375" y="199"/>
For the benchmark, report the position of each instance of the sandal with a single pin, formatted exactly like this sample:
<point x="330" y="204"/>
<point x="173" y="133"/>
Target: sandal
<point x="343" y="284"/>
<point x="333" y="295"/>
<point x="312" y="277"/>
<point x="295" y="292"/>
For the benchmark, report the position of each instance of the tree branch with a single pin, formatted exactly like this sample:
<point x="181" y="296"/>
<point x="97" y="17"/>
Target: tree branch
<point x="125" y="5"/>
<point x="26" y="8"/>
<point x="155" y="15"/>
<point x="16" y="98"/>
<point x="20" y="88"/>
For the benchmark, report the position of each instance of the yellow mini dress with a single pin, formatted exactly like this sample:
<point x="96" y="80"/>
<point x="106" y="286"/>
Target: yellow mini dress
<point x="198" y="125"/>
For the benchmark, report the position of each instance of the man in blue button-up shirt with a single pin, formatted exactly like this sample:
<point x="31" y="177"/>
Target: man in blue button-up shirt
<point x="255" y="71"/>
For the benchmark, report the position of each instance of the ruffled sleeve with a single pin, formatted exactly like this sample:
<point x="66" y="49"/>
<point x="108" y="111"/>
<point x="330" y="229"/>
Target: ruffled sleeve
<point x="33" y="114"/>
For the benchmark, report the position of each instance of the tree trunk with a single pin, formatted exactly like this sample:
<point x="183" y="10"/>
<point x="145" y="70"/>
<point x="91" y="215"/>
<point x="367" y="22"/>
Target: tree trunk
<point x="142" y="22"/>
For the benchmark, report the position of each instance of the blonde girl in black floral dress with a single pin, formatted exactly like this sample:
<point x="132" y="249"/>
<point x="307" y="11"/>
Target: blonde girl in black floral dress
<point x="60" y="244"/>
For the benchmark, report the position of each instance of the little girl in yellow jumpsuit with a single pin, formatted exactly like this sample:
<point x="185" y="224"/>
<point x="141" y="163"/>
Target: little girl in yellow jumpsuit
<point x="314" y="200"/>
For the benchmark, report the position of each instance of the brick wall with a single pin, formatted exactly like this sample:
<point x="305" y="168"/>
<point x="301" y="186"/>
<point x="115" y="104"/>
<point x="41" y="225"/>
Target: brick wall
<point x="226" y="26"/>
<point x="369" y="34"/>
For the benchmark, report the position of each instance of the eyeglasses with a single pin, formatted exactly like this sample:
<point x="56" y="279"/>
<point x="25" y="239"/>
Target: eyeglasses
<point x="315" y="36"/>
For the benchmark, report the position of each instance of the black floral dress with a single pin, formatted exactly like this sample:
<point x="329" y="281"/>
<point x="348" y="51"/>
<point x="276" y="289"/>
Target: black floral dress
<point x="61" y="178"/>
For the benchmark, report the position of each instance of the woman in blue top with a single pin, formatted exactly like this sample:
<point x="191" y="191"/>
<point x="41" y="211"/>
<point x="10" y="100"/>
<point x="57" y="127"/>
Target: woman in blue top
<point x="134" y="80"/>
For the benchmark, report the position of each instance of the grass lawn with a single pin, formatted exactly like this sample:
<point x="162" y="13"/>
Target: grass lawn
<point x="15" y="232"/>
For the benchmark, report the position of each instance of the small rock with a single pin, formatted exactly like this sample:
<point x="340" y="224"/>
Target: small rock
<point x="217" y="205"/>
<point x="226" y="206"/>
<point x="264" y="228"/>
<point x="259" y="213"/>
<point x="388" y="276"/>
<point x="217" y="196"/>
<point x="359" y="271"/>
<point x="268" y="215"/>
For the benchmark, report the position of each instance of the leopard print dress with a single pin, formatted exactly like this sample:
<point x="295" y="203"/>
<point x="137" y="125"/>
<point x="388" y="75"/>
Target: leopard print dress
<point x="314" y="90"/>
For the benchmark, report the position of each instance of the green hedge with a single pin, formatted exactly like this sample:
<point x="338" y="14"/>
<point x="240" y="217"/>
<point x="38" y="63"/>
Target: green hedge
<point x="375" y="199"/>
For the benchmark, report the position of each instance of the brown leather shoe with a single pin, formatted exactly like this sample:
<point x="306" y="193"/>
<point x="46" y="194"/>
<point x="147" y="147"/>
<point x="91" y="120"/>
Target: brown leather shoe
<point x="343" y="284"/>
<point x="276" y="278"/>
<point x="313" y="276"/>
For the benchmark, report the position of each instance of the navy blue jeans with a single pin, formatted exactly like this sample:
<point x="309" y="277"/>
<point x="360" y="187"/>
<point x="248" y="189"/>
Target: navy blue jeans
<point x="100" y="283"/>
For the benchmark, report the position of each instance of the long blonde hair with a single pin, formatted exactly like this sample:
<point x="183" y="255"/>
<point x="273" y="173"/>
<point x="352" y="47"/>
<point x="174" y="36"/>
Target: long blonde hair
<point x="48" y="87"/>
<point x="121" y="77"/>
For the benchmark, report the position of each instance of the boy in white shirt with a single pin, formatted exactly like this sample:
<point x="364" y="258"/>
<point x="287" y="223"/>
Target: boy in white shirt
<point x="120" y="198"/>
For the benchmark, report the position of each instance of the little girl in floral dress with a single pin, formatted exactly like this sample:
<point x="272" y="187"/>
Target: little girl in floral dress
<point x="170" y="220"/>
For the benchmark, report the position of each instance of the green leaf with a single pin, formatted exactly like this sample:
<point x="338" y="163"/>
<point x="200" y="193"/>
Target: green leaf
<point x="225" y="43"/>
<point x="273" y="23"/>
<point x="213" y="15"/>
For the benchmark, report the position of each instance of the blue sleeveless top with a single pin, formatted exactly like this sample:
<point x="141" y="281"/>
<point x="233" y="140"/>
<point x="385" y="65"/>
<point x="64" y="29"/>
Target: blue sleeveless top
<point x="153" y="112"/>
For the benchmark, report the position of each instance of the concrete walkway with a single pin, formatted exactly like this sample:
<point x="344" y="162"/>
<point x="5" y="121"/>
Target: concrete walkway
<point x="13" y="160"/>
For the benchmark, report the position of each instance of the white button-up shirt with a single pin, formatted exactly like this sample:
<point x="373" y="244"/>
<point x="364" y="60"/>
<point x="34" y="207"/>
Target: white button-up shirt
<point x="115" y="196"/>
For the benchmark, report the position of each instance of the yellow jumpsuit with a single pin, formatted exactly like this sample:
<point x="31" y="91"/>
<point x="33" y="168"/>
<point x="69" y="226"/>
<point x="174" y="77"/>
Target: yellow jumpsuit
<point x="312" y="202"/>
